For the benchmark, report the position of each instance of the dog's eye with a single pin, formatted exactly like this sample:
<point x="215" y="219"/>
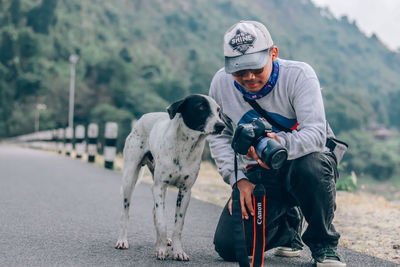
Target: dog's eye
<point x="201" y="107"/>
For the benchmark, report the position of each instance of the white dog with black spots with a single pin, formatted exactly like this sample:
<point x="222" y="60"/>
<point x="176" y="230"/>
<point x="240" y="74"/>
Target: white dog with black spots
<point x="171" y="145"/>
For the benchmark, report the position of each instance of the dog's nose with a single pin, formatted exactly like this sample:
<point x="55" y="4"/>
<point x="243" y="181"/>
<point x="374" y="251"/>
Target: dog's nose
<point x="218" y="127"/>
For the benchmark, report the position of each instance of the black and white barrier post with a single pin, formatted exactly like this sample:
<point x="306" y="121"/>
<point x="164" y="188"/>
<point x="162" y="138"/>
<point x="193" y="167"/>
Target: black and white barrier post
<point x="54" y="142"/>
<point x="93" y="133"/>
<point x="68" y="141"/>
<point x="110" y="148"/>
<point x="60" y="140"/>
<point x="79" y="141"/>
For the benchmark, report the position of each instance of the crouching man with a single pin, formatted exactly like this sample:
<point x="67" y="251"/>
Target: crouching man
<point x="289" y="93"/>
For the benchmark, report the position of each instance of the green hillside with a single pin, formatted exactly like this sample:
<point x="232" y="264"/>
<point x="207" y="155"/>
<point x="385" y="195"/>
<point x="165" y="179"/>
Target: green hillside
<point x="138" y="56"/>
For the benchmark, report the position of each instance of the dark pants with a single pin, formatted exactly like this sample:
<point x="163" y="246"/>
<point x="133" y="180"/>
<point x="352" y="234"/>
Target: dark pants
<point x="307" y="182"/>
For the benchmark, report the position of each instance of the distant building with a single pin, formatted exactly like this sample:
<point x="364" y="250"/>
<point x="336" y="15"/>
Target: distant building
<point x="380" y="132"/>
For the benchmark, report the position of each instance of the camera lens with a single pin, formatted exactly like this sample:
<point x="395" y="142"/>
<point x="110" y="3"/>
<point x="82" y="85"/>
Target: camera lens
<point x="272" y="153"/>
<point x="278" y="159"/>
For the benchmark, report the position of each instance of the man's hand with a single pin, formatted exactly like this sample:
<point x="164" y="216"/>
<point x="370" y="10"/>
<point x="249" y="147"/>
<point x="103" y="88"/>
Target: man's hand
<point x="251" y="153"/>
<point x="246" y="189"/>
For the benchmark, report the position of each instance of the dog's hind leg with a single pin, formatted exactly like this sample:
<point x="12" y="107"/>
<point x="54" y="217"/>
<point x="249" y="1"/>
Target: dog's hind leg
<point x="132" y="165"/>
<point x="182" y="203"/>
<point x="129" y="179"/>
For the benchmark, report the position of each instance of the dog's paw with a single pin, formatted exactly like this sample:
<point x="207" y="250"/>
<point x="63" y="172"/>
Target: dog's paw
<point x="181" y="256"/>
<point x="162" y="254"/>
<point x="122" y="244"/>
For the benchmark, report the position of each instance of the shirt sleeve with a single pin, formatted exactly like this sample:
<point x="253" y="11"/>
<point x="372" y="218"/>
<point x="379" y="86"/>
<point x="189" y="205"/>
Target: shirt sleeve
<point x="310" y="135"/>
<point x="220" y="145"/>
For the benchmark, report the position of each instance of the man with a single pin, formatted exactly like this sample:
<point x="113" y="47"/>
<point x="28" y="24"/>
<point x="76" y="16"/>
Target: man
<point x="289" y="92"/>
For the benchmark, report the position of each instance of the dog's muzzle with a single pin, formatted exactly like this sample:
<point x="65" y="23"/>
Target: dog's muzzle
<point x="218" y="128"/>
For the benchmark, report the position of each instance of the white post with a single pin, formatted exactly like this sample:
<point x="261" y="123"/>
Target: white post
<point x="68" y="141"/>
<point x="72" y="59"/>
<point x="110" y="148"/>
<point x="60" y="139"/>
<point x="93" y="133"/>
<point x="79" y="140"/>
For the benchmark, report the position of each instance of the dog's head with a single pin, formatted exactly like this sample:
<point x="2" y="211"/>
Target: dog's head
<point x="200" y="113"/>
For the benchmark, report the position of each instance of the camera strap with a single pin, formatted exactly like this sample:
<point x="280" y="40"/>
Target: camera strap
<point x="263" y="113"/>
<point x="258" y="224"/>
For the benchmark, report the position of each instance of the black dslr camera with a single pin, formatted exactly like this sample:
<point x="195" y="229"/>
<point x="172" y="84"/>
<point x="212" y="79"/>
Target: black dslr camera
<point x="272" y="153"/>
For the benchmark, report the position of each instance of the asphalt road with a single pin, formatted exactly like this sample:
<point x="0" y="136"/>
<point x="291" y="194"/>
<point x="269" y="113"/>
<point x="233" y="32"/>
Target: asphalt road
<point x="58" y="211"/>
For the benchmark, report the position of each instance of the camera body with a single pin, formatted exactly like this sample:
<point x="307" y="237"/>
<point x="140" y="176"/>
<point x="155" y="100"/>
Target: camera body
<point x="271" y="152"/>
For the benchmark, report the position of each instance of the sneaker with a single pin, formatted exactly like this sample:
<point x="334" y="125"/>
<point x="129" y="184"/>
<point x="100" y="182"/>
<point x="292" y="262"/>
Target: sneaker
<point x="293" y="249"/>
<point x="287" y="252"/>
<point x="327" y="257"/>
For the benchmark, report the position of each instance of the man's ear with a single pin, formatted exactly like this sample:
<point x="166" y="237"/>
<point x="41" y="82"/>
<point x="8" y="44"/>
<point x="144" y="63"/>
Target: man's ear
<point x="174" y="108"/>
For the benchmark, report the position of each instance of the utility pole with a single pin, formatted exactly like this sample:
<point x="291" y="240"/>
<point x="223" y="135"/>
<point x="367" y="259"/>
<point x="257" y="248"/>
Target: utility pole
<point x="39" y="107"/>
<point x="73" y="59"/>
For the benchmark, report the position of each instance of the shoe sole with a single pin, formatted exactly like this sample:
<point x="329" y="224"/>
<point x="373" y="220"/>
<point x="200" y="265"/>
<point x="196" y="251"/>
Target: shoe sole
<point x="329" y="263"/>
<point x="287" y="253"/>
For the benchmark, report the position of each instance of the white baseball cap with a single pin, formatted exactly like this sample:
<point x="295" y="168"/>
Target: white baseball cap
<point x="246" y="46"/>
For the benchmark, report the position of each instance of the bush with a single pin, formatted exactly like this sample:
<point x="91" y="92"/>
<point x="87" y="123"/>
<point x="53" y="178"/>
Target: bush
<point x="366" y="155"/>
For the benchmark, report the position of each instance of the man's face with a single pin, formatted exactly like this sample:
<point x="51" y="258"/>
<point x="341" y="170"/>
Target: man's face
<point x="254" y="80"/>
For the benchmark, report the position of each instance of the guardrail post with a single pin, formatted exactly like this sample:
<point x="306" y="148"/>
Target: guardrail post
<point x="54" y="140"/>
<point x="93" y="133"/>
<point x="60" y="140"/>
<point x="79" y="141"/>
<point x="68" y="141"/>
<point x="110" y="148"/>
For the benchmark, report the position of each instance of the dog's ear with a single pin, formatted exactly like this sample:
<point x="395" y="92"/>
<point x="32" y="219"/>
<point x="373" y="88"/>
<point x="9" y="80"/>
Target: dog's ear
<point x="174" y="108"/>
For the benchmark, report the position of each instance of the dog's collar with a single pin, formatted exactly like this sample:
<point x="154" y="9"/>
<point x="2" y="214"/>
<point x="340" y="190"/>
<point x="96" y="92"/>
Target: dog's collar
<point x="273" y="78"/>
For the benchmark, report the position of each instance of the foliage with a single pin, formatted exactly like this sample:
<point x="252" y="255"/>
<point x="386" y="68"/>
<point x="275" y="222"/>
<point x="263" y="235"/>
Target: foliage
<point x="370" y="156"/>
<point x="347" y="183"/>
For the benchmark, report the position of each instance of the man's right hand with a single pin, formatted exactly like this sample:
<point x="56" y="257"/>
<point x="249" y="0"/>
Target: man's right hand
<point x="246" y="189"/>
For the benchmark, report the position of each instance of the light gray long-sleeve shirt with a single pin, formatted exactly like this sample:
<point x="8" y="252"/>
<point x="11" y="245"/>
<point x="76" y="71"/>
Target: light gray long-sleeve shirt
<point x="295" y="102"/>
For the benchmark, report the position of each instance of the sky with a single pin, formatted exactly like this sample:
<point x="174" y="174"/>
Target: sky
<point x="381" y="17"/>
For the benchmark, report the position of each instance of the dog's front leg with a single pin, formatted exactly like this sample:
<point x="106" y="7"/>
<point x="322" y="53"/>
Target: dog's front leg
<point x="182" y="203"/>
<point x="159" y="190"/>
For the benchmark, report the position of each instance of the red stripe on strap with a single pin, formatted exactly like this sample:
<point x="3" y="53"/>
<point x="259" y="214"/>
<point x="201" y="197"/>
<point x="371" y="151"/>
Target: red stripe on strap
<point x="295" y="126"/>
<point x="265" y="207"/>
<point x="254" y="233"/>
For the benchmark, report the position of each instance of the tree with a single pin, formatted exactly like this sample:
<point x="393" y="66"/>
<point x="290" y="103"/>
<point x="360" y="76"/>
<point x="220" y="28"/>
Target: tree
<point x="41" y="17"/>
<point x="7" y="47"/>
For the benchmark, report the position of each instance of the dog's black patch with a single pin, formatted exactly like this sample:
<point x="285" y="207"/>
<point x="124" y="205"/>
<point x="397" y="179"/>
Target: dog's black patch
<point x="186" y="177"/>
<point x="179" y="199"/>
<point x="195" y="110"/>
